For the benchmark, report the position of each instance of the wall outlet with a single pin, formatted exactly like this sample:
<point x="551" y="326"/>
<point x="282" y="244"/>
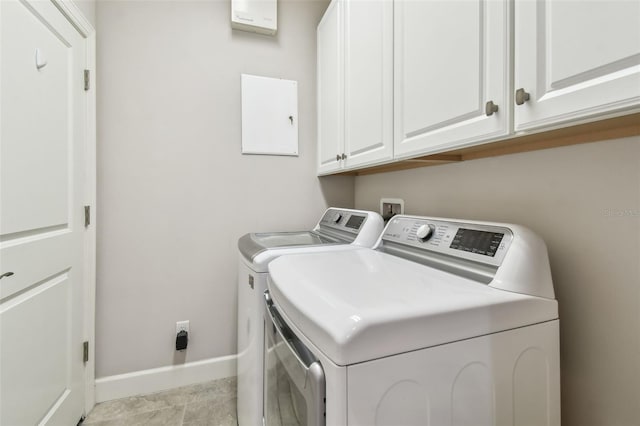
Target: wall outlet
<point x="182" y="325"/>
<point x="390" y="207"/>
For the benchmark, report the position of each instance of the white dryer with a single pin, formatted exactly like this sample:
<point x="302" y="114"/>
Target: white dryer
<point x="445" y="322"/>
<point x="338" y="230"/>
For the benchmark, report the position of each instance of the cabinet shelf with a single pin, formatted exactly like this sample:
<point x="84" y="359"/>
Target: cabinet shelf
<point x="603" y="130"/>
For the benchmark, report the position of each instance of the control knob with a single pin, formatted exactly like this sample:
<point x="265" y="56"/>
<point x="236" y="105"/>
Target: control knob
<point x="425" y="232"/>
<point x="337" y="218"/>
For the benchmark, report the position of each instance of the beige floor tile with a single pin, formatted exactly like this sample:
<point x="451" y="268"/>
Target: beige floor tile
<point x="165" y="417"/>
<point x="221" y="412"/>
<point x="209" y="403"/>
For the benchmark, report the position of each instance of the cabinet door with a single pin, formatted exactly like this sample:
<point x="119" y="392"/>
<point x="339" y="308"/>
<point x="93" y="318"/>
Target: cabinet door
<point x="451" y="59"/>
<point x="368" y="81"/>
<point x="330" y="97"/>
<point x="575" y="59"/>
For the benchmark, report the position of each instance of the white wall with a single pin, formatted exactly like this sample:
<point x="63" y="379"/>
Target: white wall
<point x="174" y="192"/>
<point x="585" y="202"/>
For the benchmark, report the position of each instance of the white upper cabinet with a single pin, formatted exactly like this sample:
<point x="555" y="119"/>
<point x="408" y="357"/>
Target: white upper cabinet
<point x="368" y="81"/>
<point x="355" y="84"/>
<point x="451" y="74"/>
<point x="400" y="79"/>
<point x="575" y="60"/>
<point x="330" y="89"/>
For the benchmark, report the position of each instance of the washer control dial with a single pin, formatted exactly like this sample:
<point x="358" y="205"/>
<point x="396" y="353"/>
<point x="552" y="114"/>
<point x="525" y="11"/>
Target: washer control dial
<point x="424" y="232"/>
<point x="337" y="218"/>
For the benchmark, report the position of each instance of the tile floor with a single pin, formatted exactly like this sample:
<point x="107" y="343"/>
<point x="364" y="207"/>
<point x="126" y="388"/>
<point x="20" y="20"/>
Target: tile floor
<point x="206" y="404"/>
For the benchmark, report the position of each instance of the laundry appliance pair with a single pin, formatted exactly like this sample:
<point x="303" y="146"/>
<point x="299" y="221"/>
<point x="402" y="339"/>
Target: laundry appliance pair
<point x="442" y="321"/>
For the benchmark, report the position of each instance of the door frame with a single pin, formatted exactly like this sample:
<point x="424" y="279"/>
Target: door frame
<point x="71" y="11"/>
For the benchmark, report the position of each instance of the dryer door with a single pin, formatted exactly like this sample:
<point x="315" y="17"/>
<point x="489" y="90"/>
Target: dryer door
<point x="294" y="385"/>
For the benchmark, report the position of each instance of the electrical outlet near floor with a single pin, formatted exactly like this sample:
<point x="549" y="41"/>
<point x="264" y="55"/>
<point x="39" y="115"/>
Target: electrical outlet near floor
<point x="182" y="325"/>
<point x="390" y="207"/>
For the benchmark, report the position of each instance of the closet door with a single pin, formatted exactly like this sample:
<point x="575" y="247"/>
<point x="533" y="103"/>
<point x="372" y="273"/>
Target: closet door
<point x="575" y="60"/>
<point x="42" y="182"/>
<point x="451" y="74"/>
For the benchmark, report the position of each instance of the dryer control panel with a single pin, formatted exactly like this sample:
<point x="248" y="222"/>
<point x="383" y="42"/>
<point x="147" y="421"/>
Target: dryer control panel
<point x="343" y="220"/>
<point x="503" y="255"/>
<point x="470" y="241"/>
<point x="357" y="227"/>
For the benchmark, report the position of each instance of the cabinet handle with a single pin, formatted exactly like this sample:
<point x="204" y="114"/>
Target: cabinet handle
<point x="344" y="156"/>
<point x="6" y="275"/>
<point x="521" y="96"/>
<point x="490" y="108"/>
<point x="337" y="157"/>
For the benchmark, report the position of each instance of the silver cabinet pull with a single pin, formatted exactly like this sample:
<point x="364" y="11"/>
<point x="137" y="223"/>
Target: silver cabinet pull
<point x="6" y="274"/>
<point x="337" y="157"/>
<point x="490" y="108"/>
<point x="344" y="156"/>
<point x="521" y="96"/>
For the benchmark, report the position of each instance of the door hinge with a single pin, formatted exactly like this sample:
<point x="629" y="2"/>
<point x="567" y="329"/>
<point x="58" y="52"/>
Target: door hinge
<point x="87" y="216"/>
<point x="85" y="351"/>
<point x="87" y="80"/>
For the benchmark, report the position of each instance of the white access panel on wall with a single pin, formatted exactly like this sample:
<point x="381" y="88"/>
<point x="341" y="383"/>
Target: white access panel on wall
<point x="269" y="115"/>
<point x="257" y="16"/>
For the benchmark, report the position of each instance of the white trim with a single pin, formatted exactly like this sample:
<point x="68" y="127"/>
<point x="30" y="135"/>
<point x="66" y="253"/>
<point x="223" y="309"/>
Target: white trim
<point x="163" y="378"/>
<point x="74" y="15"/>
<point x="90" y="232"/>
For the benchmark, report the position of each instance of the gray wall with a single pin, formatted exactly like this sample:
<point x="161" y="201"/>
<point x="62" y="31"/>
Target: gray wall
<point x="174" y="192"/>
<point x="585" y="202"/>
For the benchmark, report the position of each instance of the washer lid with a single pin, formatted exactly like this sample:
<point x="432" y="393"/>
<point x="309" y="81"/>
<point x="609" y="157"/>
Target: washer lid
<point x="336" y="226"/>
<point x="250" y="245"/>
<point x="362" y="304"/>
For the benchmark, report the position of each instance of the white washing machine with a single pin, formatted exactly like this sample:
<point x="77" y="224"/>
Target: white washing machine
<point x="338" y="230"/>
<point x="445" y="322"/>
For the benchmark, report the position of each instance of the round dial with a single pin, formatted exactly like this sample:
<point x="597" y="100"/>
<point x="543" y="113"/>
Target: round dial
<point x="424" y="232"/>
<point x="337" y="218"/>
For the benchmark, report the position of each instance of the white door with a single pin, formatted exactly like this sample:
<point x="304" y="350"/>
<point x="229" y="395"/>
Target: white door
<point x="451" y="59"/>
<point x="330" y="98"/>
<point x="575" y="59"/>
<point x="368" y="82"/>
<point x="42" y="122"/>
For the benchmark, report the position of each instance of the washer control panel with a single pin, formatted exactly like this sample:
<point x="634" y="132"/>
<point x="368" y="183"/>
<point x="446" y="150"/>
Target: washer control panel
<point x="343" y="220"/>
<point x="471" y="241"/>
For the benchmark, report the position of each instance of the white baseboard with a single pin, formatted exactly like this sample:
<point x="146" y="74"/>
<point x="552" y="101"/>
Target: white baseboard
<point x="163" y="378"/>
